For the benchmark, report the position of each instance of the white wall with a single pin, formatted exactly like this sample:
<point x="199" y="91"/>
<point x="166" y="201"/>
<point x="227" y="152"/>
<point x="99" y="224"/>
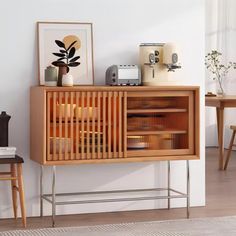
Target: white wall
<point x="119" y="27"/>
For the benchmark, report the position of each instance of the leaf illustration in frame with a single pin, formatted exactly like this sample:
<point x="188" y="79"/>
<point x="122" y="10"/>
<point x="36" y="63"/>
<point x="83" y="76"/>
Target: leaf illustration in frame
<point x="71" y="52"/>
<point x="58" y="54"/>
<point x="74" y="64"/>
<point x="72" y="44"/>
<point x="74" y="59"/>
<point x="60" y="44"/>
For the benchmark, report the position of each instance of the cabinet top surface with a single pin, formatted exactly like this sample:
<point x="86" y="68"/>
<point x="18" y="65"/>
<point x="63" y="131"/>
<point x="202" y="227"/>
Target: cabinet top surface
<point x="116" y="88"/>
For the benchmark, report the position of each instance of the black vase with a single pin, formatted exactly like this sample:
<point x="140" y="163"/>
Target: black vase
<point x="4" y="120"/>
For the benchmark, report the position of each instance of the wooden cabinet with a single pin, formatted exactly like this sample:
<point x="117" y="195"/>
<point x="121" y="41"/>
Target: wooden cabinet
<point x="98" y="124"/>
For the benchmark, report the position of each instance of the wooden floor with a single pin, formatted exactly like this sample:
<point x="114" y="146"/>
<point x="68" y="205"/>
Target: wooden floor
<point x="220" y="200"/>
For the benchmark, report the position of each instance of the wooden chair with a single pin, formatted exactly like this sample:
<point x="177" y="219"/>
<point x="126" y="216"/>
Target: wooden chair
<point x="16" y="178"/>
<point x="233" y="127"/>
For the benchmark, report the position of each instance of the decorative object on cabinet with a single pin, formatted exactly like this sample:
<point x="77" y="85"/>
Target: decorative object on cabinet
<point x="62" y="71"/>
<point x="67" y="80"/>
<point x="50" y="76"/>
<point x="69" y="45"/>
<point x="123" y="75"/>
<point x="157" y="60"/>
<point x="218" y="69"/>
<point x="106" y="136"/>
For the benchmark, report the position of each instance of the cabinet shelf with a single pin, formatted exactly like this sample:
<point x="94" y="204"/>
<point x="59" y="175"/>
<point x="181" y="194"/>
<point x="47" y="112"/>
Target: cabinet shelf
<point x="74" y="121"/>
<point x="164" y="110"/>
<point x="156" y="132"/>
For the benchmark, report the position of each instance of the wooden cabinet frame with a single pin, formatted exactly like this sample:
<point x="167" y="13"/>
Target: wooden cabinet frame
<point x="92" y="122"/>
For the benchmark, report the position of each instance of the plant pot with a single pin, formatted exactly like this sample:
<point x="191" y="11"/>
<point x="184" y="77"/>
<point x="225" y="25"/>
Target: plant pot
<point x="62" y="71"/>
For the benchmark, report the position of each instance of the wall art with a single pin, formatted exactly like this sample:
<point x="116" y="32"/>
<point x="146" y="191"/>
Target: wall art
<point x="66" y="44"/>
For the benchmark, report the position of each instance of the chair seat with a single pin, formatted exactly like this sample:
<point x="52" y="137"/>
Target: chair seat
<point x="17" y="159"/>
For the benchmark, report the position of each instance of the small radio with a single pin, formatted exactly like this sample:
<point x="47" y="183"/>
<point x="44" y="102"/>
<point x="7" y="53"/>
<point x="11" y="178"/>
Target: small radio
<point x="123" y="75"/>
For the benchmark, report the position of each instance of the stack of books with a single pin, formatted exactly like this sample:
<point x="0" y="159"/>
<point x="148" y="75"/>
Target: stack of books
<point x="7" y="152"/>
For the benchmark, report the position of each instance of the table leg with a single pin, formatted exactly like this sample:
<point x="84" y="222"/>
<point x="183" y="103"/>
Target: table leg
<point x="220" y="126"/>
<point x="217" y="121"/>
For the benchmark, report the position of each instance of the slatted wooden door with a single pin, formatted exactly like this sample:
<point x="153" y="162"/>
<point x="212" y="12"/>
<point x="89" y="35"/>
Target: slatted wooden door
<point x="86" y="125"/>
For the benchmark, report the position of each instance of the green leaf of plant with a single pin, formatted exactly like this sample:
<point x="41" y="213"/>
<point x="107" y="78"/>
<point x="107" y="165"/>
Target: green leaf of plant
<point x="59" y="54"/>
<point x="72" y="44"/>
<point x="74" y="59"/>
<point x="74" y="64"/>
<point x="60" y="44"/>
<point x="71" y="52"/>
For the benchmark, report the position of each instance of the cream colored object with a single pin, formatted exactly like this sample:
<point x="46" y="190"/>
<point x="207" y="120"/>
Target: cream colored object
<point x="65" y="145"/>
<point x="67" y="80"/>
<point x="156" y="73"/>
<point x="65" y="110"/>
<point x="86" y="112"/>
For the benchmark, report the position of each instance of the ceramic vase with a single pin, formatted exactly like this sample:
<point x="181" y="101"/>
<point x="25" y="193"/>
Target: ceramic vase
<point x="51" y="76"/>
<point x="62" y="71"/>
<point x="67" y="80"/>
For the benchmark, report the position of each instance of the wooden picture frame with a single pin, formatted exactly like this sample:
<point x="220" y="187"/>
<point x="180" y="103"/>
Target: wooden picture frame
<point x="55" y="43"/>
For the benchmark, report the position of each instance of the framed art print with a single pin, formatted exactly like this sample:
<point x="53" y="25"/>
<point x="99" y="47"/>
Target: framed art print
<point x="69" y="44"/>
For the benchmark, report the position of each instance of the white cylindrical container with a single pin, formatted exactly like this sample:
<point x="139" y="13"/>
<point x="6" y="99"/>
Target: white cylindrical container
<point x="67" y="80"/>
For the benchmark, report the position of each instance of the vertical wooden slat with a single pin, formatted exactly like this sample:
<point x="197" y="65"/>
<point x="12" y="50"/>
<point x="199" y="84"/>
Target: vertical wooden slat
<point x="71" y="125"/>
<point x="60" y="124"/>
<point x="77" y="134"/>
<point x="120" y="124"/>
<point x="66" y="126"/>
<point x="82" y="126"/>
<point x="191" y="123"/>
<point x="54" y="157"/>
<point x="125" y="124"/>
<point x="99" y="125"/>
<point x="49" y="140"/>
<point x="109" y="125"/>
<point x="114" y="124"/>
<point x="93" y="125"/>
<point x="88" y="124"/>
<point x="104" y="108"/>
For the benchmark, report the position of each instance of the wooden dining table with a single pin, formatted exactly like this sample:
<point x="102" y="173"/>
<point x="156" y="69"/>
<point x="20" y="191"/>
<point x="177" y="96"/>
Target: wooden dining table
<point x="220" y="103"/>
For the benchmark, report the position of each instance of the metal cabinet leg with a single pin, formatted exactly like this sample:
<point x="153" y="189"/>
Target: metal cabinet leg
<point x="168" y="184"/>
<point x="188" y="188"/>
<point x="41" y="191"/>
<point x="53" y="196"/>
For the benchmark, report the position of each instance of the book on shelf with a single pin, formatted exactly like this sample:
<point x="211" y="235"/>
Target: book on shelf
<point x="7" y="152"/>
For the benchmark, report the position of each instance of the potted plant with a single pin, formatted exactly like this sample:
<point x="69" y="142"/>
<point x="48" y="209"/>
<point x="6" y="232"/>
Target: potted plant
<point x="218" y="69"/>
